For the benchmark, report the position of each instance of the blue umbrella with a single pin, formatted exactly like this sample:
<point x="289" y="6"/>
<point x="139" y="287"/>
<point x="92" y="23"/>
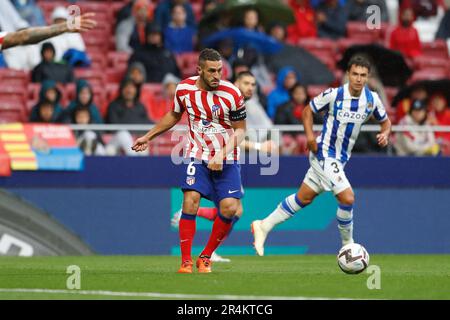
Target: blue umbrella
<point x="243" y="37"/>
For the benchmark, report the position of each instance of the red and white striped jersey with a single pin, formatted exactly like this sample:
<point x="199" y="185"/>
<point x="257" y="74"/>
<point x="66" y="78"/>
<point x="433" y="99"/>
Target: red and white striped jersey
<point x="2" y="36"/>
<point x="209" y="116"/>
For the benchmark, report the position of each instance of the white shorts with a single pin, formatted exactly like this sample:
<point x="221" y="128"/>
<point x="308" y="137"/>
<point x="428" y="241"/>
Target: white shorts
<point x="326" y="175"/>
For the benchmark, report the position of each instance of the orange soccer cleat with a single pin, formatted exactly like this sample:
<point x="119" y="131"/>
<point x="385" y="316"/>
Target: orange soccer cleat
<point x="186" y="267"/>
<point x="204" y="264"/>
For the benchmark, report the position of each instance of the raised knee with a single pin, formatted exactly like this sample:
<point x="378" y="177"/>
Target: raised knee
<point x="191" y="203"/>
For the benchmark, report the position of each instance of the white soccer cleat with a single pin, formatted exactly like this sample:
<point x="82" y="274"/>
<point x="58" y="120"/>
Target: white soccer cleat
<point x="175" y="221"/>
<point x="259" y="235"/>
<point x="216" y="258"/>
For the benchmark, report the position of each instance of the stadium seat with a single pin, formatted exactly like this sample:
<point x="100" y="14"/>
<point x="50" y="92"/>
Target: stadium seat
<point x="115" y="75"/>
<point x="117" y="58"/>
<point x="327" y="59"/>
<point x="359" y="30"/>
<point x="93" y="76"/>
<point x="315" y="90"/>
<point x="12" y="111"/>
<point x="98" y="60"/>
<point x="187" y="62"/>
<point x="428" y="74"/>
<point x="390" y="93"/>
<point x="430" y="62"/>
<point x="14" y="77"/>
<point x="318" y="46"/>
<point x="437" y="49"/>
<point x="96" y="40"/>
<point x="10" y="92"/>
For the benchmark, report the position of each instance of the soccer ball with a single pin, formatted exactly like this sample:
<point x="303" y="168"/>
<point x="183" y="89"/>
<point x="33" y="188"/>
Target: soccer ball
<point x="353" y="258"/>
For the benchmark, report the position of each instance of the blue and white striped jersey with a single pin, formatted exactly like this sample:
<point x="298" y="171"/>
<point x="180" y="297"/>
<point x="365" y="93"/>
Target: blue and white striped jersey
<point x="344" y="116"/>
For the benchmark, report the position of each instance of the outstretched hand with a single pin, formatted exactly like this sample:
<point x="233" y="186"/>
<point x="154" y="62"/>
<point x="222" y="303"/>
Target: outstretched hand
<point x="82" y="23"/>
<point x="383" y="139"/>
<point x="140" y="144"/>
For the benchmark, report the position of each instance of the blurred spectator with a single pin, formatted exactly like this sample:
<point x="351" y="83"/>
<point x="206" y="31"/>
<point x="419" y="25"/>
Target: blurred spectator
<point x="163" y="12"/>
<point x="130" y="32"/>
<point x="250" y="20"/>
<point x="209" y="5"/>
<point x="277" y="31"/>
<point x="421" y="8"/>
<point x="443" y="31"/>
<point x="357" y="9"/>
<point x="23" y="57"/>
<point x="440" y="116"/>
<point x="305" y="25"/>
<point x="30" y="11"/>
<point x="125" y="109"/>
<point x="136" y="73"/>
<point x="158" y="61"/>
<point x="84" y="99"/>
<point x="403" y="107"/>
<point x="68" y="40"/>
<point x="48" y="69"/>
<point x="124" y="13"/>
<point x="239" y="66"/>
<point x="46" y="112"/>
<point x="416" y="143"/>
<point x="404" y="37"/>
<point x="256" y="115"/>
<point x="286" y="79"/>
<point x="178" y="36"/>
<point x="50" y="93"/>
<point x="89" y="141"/>
<point x="163" y="104"/>
<point x="291" y="111"/>
<point x="10" y="20"/>
<point x="331" y="19"/>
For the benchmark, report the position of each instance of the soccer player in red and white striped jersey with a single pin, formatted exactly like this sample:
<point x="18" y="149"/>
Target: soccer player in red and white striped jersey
<point x="216" y="112"/>
<point x="37" y="34"/>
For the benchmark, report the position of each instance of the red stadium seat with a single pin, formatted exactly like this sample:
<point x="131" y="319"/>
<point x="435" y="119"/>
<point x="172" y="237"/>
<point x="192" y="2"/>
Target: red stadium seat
<point x="315" y="90"/>
<point x="14" y="77"/>
<point x="117" y="58"/>
<point x="428" y="74"/>
<point x="93" y="76"/>
<point x="98" y="60"/>
<point x="12" y="111"/>
<point x="13" y="93"/>
<point x="116" y="75"/>
<point x="359" y="30"/>
<point x="437" y="49"/>
<point x="320" y="46"/>
<point x="187" y="62"/>
<point x="429" y="62"/>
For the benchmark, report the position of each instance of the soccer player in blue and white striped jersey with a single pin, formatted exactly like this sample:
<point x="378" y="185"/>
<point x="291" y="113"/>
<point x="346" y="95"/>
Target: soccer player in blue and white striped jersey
<point x="344" y="110"/>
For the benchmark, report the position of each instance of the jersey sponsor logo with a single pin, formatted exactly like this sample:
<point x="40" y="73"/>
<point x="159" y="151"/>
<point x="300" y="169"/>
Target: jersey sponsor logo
<point x="190" y="181"/>
<point x="350" y="115"/>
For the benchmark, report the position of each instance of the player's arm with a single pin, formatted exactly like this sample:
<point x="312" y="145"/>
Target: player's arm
<point x="383" y="136"/>
<point x="38" y="34"/>
<point x="307" y="118"/>
<point x="235" y="140"/>
<point x="267" y="146"/>
<point x="169" y="120"/>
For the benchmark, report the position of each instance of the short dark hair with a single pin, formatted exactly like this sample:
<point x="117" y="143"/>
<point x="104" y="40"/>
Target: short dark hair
<point x="209" y="54"/>
<point x="359" y="61"/>
<point x="244" y="74"/>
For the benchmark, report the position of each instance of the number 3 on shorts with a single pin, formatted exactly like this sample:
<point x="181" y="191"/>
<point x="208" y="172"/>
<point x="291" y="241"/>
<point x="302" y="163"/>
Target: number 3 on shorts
<point x="191" y="169"/>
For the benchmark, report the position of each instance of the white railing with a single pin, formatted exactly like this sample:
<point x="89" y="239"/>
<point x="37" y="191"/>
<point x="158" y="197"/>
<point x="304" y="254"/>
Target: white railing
<point x="283" y="128"/>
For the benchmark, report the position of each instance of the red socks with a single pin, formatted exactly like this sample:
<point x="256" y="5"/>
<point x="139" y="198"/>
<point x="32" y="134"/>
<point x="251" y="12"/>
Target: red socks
<point x="187" y="232"/>
<point x="219" y="232"/>
<point x="207" y="213"/>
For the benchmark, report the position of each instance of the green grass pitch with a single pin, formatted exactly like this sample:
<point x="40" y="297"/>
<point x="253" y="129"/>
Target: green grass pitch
<point x="155" y="277"/>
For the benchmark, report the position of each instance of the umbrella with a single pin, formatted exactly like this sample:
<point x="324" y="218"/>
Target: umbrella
<point x="311" y="69"/>
<point x="431" y="87"/>
<point x="390" y="65"/>
<point x="269" y="11"/>
<point x="243" y="37"/>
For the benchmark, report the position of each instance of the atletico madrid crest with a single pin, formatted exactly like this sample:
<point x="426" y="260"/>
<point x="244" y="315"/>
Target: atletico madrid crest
<point x="190" y="180"/>
<point x="215" y="110"/>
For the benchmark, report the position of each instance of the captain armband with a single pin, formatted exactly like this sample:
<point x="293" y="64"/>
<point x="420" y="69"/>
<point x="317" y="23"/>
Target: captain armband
<point x="238" y="115"/>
